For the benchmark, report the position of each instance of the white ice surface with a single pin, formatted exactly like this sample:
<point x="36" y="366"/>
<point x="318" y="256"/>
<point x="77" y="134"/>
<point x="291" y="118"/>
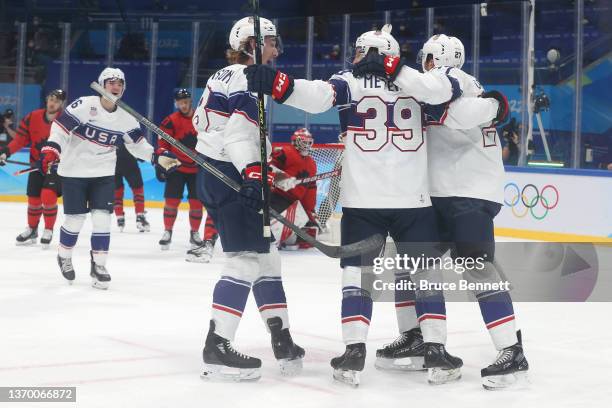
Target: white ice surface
<point x="139" y="343"/>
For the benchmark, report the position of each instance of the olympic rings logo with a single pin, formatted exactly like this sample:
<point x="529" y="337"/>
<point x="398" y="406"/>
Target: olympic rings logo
<point x="531" y="200"/>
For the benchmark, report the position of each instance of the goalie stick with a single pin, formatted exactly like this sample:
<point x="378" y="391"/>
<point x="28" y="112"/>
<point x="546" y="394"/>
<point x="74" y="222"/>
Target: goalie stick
<point x="25" y="171"/>
<point x="343" y="251"/>
<point x="17" y="162"/>
<point x="318" y="177"/>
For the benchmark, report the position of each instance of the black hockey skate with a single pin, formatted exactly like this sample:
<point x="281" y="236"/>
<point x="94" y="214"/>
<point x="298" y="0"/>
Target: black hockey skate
<point x="222" y="362"/>
<point x="194" y="239"/>
<point x="100" y="278"/>
<point x="406" y="353"/>
<point x="27" y="237"/>
<point x="288" y="354"/>
<point x="441" y="366"/>
<point x="202" y="253"/>
<point x="142" y="224"/>
<point x="509" y="368"/>
<point x="66" y="268"/>
<point x="348" y="366"/>
<point x="121" y="222"/>
<point x="165" y="240"/>
<point x="45" y="239"/>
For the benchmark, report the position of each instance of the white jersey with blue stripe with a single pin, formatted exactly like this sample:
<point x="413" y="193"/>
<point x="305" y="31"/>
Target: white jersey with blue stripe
<point x="86" y="136"/>
<point x="385" y="158"/>
<point x="226" y="119"/>
<point x="464" y="163"/>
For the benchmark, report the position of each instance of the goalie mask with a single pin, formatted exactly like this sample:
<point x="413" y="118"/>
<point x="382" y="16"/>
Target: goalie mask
<point x="112" y="74"/>
<point x="379" y="39"/>
<point x="302" y="140"/>
<point x="441" y="49"/>
<point x="244" y="29"/>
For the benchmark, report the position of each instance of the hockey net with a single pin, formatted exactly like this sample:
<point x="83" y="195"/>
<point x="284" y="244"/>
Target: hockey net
<point x="328" y="157"/>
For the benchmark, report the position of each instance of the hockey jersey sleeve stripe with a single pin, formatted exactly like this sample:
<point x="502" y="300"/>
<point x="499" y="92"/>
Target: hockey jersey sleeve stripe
<point x="244" y="104"/>
<point x="135" y="134"/>
<point x="67" y="121"/>
<point x="342" y="92"/>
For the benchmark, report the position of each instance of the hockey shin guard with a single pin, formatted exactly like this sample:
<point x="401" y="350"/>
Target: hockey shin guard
<point x="139" y="201"/>
<point x="34" y="211"/>
<point x="356" y="307"/>
<point x="210" y="232"/>
<point x="430" y="306"/>
<point x="69" y="233"/>
<point x="119" y="201"/>
<point x="268" y="288"/>
<point x="100" y="235"/>
<point x="170" y="212"/>
<point x="495" y="306"/>
<point x="195" y="214"/>
<point x="231" y="292"/>
<point x="49" y="202"/>
<point x="405" y="302"/>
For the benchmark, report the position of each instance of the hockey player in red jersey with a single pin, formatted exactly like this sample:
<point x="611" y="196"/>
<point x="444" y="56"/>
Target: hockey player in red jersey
<point x="127" y="167"/>
<point x="179" y="125"/>
<point x="293" y="162"/>
<point x="43" y="188"/>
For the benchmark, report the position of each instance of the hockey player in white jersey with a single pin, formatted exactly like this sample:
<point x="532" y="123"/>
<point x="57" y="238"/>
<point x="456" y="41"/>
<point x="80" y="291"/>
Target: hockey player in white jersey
<point x="84" y="139"/>
<point x="466" y="195"/>
<point x="384" y="145"/>
<point x="228" y="138"/>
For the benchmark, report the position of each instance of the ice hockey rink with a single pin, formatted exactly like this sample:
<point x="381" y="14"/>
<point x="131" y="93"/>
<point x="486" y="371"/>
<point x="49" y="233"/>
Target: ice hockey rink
<point x="139" y="343"/>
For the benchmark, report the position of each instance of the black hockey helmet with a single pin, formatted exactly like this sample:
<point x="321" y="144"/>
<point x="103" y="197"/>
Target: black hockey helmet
<point x="182" y="94"/>
<point x="58" y="93"/>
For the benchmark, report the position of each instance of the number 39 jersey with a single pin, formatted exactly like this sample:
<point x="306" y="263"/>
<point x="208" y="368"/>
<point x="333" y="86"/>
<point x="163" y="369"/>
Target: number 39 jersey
<point x="385" y="159"/>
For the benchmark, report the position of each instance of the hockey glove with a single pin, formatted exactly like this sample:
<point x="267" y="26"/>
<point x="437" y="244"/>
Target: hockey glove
<point x="5" y="153"/>
<point x="502" y="110"/>
<point x="166" y="161"/>
<point x="385" y="66"/>
<point x="49" y="155"/>
<point x="265" y="79"/>
<point x="250" y="190"/>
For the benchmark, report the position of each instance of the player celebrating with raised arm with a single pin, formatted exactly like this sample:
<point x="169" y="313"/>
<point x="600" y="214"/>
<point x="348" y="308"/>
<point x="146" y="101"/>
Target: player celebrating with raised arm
<point x="384" y="141"/>
<point x="84" y="139"/>
<point x="179" y="125"/>
<point x="466" y="197"/>
<point x="43" y="187"/>
<point x="228" y="138"/>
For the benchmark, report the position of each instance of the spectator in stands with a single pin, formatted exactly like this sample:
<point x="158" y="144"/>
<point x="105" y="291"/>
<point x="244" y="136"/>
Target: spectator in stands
<point x="133" y="47"/>
<point x="7" y="133"/>
<point x="406" y="52"/>
<point x="512" y="146"/>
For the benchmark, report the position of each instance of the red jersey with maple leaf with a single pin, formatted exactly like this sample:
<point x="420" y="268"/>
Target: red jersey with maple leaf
<point x="34" y="129"/>
<point x="181" y="128"/>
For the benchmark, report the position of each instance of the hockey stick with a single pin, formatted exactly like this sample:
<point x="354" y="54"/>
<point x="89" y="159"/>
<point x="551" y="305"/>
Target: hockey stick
<point x="261" y="116"/>
<point x="25" y="171"/>
<point x="319" y="176"/>
<point x="17" y="162"/>
<point x="343" y="251"/>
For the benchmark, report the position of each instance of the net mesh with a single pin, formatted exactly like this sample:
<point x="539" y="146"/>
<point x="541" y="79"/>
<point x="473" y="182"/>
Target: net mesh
<point x="328" y="158"/>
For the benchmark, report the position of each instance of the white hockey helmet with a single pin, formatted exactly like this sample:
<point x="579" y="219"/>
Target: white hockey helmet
<point x="379" y="39"/>
<point x="112" y="73"/>
<point x="459" y="52"/>
<point x="441" y="49"/>
<point x="245" y="28"/>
